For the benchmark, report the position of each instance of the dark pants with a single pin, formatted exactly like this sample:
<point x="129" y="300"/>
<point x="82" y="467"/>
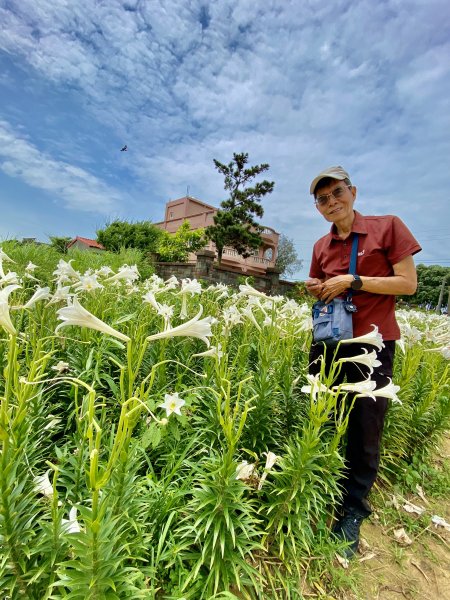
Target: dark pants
<point x="366" y="421"/>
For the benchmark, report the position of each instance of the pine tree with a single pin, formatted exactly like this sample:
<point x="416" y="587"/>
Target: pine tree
<point x="234" y="224"/>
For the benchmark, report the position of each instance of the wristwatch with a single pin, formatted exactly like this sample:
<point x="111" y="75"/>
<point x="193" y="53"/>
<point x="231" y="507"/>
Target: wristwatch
<point x="356" y="284"/>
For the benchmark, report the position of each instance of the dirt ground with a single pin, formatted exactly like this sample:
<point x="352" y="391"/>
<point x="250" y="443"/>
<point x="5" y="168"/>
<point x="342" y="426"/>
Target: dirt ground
<point x="415" y="569"/>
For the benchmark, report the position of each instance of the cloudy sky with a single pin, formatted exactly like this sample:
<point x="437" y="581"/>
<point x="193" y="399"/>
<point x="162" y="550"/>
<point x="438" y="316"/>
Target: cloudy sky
<point x="300" y="85"/>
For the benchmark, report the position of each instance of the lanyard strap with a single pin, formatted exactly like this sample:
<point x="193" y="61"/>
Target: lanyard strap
<point x="352" y="268"/>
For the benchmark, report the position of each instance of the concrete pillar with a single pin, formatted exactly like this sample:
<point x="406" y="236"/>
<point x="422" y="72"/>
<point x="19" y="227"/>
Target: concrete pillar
<point x="204" y="264"/>
<point x="273" y="275"/>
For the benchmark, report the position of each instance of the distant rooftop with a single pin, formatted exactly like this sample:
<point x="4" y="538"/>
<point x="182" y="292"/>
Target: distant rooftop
<point x="87" y="241"/>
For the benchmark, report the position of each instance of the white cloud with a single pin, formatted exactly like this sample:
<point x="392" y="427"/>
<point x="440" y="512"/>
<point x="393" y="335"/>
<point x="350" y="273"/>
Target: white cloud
<point x="298" y="85"/>
<point x="77" y="188"/>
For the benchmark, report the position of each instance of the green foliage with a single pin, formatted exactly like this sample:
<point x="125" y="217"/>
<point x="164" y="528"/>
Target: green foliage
<point x="163" y="507"/>
<point x="142" y="235"/>
<point x="46" y="259"/>
<point x="413" y="428"/>
<point x="434" y="479"/>
<point x="176" y="247"/>
<point x="234" y="224"/>
<point x="287" y="259"/>
<point x="220" y="532"/>
<point x="60" y="243"/>
<point x="429" y="279"/>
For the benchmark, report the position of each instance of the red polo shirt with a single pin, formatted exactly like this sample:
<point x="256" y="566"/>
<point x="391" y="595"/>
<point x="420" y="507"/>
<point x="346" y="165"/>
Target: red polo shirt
<point x="383" y="242"/>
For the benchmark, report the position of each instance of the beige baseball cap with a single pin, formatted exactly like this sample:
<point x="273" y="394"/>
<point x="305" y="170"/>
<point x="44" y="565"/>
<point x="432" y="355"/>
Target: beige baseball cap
<point x="333" y="172"/>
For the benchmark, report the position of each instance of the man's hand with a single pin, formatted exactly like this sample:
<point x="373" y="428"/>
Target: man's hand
<point x="314" y="287"/>
<point x="335" y="287"/>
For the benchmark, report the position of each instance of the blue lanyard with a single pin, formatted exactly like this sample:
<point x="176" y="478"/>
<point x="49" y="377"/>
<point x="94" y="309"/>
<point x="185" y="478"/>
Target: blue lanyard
<point x="353" y="257"/>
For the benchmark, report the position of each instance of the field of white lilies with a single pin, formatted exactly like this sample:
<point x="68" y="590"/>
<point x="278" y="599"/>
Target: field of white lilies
<point x="161" y="439"/>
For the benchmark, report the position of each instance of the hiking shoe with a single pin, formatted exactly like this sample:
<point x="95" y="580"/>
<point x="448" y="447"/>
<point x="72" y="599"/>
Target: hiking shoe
<point x="347" y="529"/>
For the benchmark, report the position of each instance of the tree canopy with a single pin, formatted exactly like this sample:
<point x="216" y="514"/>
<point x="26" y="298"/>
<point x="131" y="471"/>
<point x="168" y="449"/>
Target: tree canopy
<point x="60" y="243"/>
<point x="122" y="234"/>
<point x="176" y="247"/>
<point x="234" y="224"/>
<point x="429" y="280"/>
<point x="287" y="259"/>
<point x="143" y="235"/>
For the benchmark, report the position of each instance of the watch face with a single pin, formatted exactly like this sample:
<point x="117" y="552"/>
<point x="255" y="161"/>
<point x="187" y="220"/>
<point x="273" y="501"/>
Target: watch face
<point x="356" y="283"/>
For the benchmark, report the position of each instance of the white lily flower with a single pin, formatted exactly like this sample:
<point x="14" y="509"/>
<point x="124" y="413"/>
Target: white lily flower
<point x="71" y="524"/>
<point x="214" y="351"/>
<point x="271" y="459"/>
<point x="75" y="314"/>
<point x="362" y="388"/>
<point x="231" y="316"/>
<point x="373" y="338"/>
<point x="65" y="272"/>
<point x="221" y="289"/>
<point x="172" y="404"/>
<point x="165" y="311"/>
<point x="268" y="321"/>
<point x="30" y="276"/>
<point x="245" y="470"/>
<point x="125" y="272"/>
<point x="104" y="271"/>
<point x="247" y="312"/>
<point x="401" y="345"/>
<point x="30" y="267"/>
<point x="171" y="283"/>
<point x="131" y="288"/>
<point x="4" y="256"/>
<point x="88" y="283"/>
<point x="190" y="286"/>
<point x="248" y="290"/>
<point x="315" y="386"/>
<point x="196" y="327"/>
<point x="43" y="485"/>
<point x="156" y="280"/>
<point x="61" y="367"/>
<point x="39" y="294"/>
<point x="61" y="293"/>
<point x="10" y="278"/>
<point x="445" y="352"/>
<point x="369" y="359"/>
<point x="388" y="391"/>
<point x="149" y="297"/>
<point x="5" y="319"/>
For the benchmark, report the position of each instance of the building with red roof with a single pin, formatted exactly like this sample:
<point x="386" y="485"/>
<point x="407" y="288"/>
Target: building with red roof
<point x="85" y="244"/>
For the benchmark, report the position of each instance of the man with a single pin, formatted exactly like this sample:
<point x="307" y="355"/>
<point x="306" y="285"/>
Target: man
<point x="384" y="269"/>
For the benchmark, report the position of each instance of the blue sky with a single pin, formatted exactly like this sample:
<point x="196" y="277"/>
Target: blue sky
<point x="299" y="85"/>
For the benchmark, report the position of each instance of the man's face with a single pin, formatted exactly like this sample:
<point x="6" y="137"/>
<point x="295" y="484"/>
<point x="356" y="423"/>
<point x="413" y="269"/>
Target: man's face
<point x="335" y="201"/>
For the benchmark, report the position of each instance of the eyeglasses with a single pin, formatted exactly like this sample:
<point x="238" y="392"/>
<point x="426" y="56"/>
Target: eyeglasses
<point x="337" y="193"/>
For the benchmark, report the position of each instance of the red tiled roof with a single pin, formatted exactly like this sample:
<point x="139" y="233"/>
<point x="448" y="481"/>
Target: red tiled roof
<point x="87" y="241"/>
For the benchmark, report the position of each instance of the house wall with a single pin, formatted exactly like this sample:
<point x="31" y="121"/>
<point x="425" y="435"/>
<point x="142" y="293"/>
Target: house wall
<point x="82" y="246"/>
<point x="201" y="215"/>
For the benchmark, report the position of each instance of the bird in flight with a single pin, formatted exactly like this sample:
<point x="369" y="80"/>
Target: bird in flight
<point x="124" y="149"/>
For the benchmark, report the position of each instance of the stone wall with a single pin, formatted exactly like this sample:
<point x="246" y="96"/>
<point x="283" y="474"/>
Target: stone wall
<point x="206" y="269"/>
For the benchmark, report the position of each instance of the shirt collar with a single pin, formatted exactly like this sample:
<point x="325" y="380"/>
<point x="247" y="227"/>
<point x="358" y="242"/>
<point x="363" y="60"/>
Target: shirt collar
<point x="358" y="226"/>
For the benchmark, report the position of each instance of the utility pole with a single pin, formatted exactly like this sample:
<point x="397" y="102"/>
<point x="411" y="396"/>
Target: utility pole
<point x="441" y="295"/>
